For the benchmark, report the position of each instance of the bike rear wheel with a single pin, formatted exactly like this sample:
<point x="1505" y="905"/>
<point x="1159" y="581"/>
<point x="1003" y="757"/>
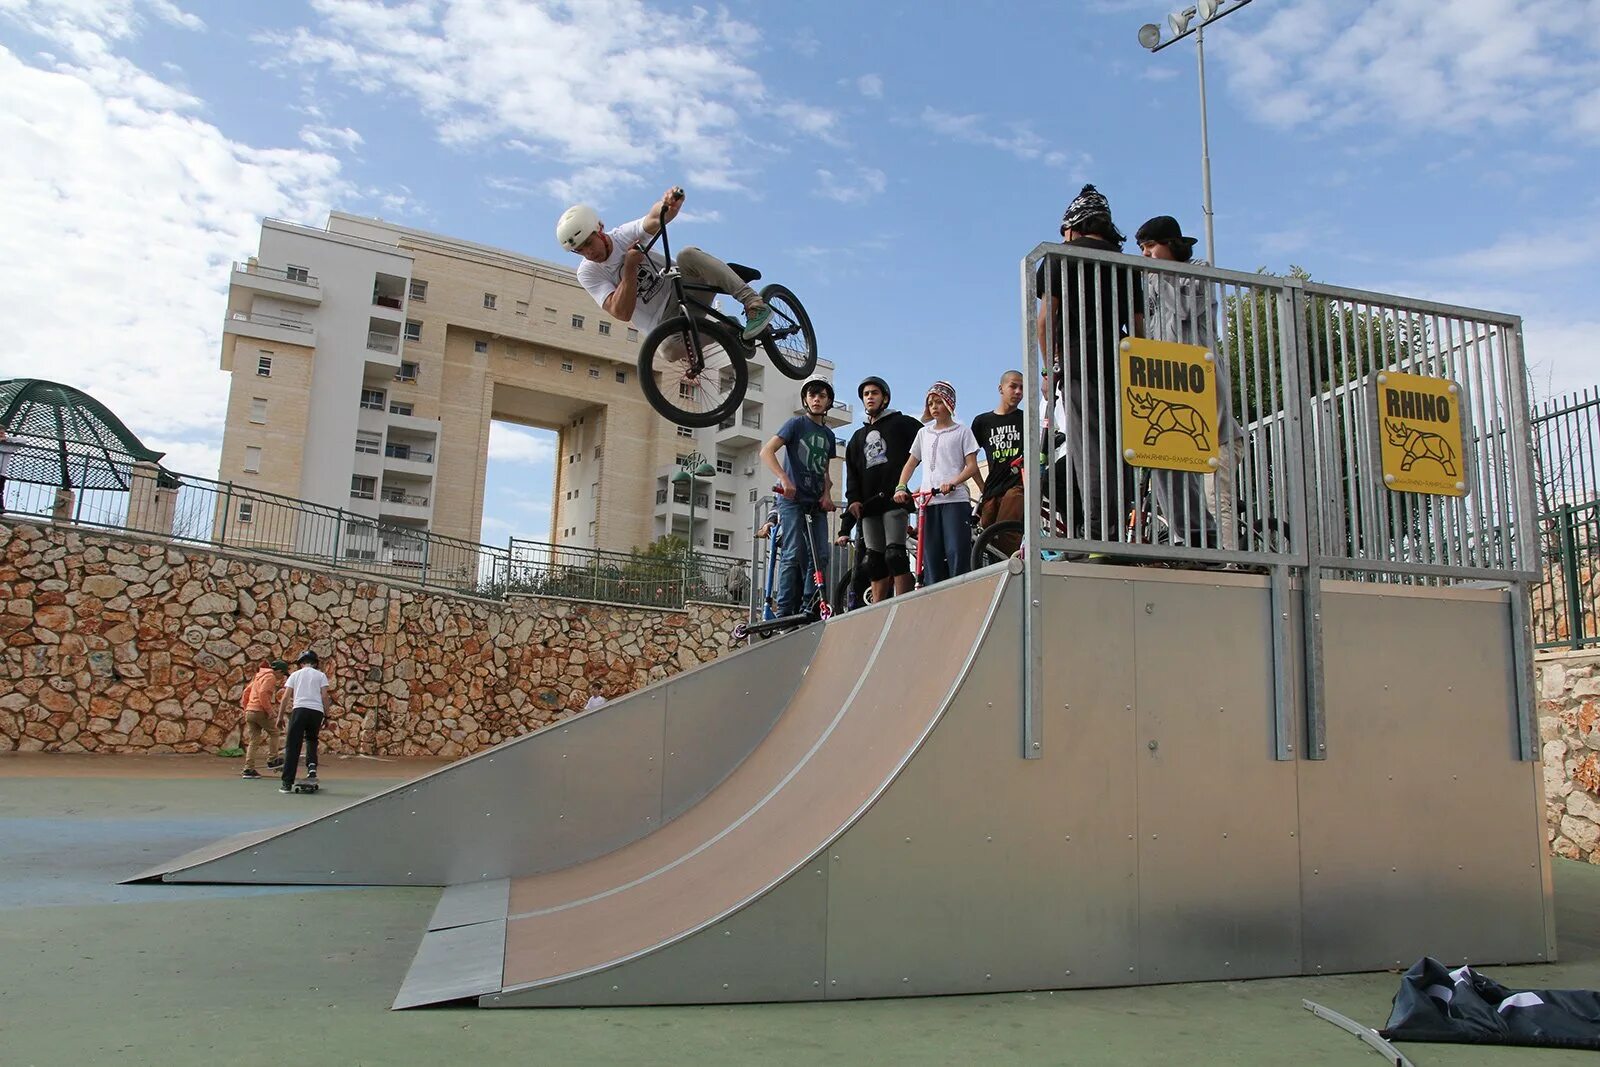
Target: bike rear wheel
<point x="693" y="372"/>
<point x="789" y="340"/>
<point x="986" y="549"/>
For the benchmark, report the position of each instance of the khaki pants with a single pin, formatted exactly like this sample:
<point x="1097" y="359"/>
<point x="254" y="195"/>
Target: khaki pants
<point x="257" y="724"/>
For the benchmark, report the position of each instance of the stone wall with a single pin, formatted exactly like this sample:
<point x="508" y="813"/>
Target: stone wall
<point x="113" y="643"/>
<point x="1569" y="736"/>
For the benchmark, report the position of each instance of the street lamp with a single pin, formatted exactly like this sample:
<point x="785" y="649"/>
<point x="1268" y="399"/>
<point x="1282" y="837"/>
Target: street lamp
<point x="1208" y="11"/>
<point x="686" y="475"/>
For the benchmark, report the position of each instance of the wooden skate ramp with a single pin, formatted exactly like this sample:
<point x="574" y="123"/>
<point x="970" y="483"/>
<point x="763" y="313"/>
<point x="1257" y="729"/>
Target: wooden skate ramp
<point x="878" y="684"/>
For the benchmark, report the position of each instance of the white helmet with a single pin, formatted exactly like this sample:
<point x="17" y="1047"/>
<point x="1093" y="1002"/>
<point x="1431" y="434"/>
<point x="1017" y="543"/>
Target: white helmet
<point x="577" y="224"/>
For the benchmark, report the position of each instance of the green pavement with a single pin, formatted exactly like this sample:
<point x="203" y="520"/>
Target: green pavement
<point x="95" y="973"/>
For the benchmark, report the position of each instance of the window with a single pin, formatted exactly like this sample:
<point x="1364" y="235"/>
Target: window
<point x="413" y="330"/>
<point x="247" y="510"/>
<point x="296" y="274"/>
<point x="633" y="335"/>
<point x="357" y="527"/>
<point x="363" y="487"/>
<point x="622" y="377"/>
<point x="597" y="451"/>
<point x="372" y="399"/>
<point x="721" y="540"/>
<point x="753" y="496"/>
<point x="538" y="359"/>
<point x="577" y="322"/>
<point x="419" y="290"/>
<point x="406" y="373"/>
<point x="685" y="391"/>
<point x="684" y="431"/>
<point x="264" y="365"/>
<point x="369" y="443"/>
<point x="252" y="459"/>
<point x="604" y="328"/>
<point x="522" y="307"/>
<point x="489" y="301"/>
<point x="724" y="502"/>
<point x="594" y="372"/>
<point x="724" y="465"/>
<point x="566" y="366"/>
<point x="361" y="553"/>
<point x="550" y="316"/>
<point x="681" y="460"/>
<point x="258" y="409"/>
<point x="397" y="408"/>
<point x="480" y="347"/>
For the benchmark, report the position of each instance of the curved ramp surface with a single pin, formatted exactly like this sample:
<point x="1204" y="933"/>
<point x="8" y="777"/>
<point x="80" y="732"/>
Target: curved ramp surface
<point x="567" y="793"/>
<point x="877" y="686"/>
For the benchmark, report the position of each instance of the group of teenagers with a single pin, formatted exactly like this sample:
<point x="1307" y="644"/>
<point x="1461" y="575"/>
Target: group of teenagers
<point x="1080" y="345"/>
<point x="880" y="459"/>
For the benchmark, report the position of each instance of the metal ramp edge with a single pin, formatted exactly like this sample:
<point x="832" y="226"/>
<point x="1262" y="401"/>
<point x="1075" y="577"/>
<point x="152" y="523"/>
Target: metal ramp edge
<point x="533" y="809"/>
<point x="779" y="911"/>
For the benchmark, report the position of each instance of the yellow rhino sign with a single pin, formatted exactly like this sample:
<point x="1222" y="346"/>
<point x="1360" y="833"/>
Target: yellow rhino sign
<point x="1169" y="405"/>
<point x="1419" y="433"/>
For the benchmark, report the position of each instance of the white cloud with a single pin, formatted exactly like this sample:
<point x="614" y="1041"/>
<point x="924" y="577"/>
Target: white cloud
<point x="122" y="211"/>
<point x="867" y="183"/>
<point x="1015" y="138"/>
<point x="330" y="138"/>
<point x="509" y="444"/>
<point x="870" y="85"/>
<point x="1417" y="65"/>
<point x="581" y="85"/>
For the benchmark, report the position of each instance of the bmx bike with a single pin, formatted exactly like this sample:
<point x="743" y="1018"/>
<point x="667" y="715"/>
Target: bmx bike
<point x="694" y="366"/>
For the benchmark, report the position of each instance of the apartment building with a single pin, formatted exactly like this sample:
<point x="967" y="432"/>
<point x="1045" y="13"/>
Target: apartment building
<point x="369" y="359"/>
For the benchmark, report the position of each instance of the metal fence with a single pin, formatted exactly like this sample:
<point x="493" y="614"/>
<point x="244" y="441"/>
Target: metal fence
<point x="209" y="513"/>
<point x="1277" y="383"/>
<point x="1298" y="366"/>
<point x="1566" y="434"/>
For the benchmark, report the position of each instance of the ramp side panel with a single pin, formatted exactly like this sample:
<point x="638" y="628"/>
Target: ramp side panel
<point x="1219" y="864"/>
<point x="770" y="951"/>
<point x="220" y="847"/>
<point x="454" y="964"/>
<point x="871" y="729"/>
<point x="1018" y="874"/>
<point x="846" y="646"/>
<point x="528" y="804"/>
<point x="1420" y="831"/>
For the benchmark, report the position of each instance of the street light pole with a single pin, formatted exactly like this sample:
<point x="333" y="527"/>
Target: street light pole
<point x="1205" y="149"/>
<point x="1150" y="37"/>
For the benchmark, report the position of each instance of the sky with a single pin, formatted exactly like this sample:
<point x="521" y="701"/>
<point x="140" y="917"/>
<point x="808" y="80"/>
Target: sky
<point x="890" y="162"/>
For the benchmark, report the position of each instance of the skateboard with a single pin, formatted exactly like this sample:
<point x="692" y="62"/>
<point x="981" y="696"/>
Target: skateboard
<point x="307" y="784"/>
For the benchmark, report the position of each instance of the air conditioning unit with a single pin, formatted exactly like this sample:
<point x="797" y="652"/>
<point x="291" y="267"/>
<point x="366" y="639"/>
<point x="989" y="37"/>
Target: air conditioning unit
<point x="750" y="471"/>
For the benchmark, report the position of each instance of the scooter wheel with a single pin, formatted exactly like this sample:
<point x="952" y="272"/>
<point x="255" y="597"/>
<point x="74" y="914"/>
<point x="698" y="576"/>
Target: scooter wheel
<point x="741" y="632"/>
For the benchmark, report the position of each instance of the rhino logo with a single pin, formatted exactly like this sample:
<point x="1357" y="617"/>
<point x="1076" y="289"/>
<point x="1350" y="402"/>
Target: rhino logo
<point x="1166" y="417"/>
<point x="1419" y="445"/>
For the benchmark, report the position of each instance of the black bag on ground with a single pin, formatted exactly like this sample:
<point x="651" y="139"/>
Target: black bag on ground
<point x="1462" y="1006"/>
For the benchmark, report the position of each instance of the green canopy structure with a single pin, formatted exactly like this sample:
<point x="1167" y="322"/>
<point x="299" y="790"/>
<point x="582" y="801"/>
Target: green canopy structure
<point x="58" y="435"/>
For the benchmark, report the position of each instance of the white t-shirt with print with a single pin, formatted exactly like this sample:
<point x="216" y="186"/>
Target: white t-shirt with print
<point x="307" y="684"/>
<point x="942" y="454"/>
<point x="602" y="279"/>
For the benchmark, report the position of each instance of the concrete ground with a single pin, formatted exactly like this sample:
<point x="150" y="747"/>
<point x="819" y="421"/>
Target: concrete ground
<point x="91" y="971"/>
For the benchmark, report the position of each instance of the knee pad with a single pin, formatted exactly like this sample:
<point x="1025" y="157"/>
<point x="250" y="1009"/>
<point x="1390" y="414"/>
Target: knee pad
<point x="876" y="566"/>
<point x="896" y="561"/>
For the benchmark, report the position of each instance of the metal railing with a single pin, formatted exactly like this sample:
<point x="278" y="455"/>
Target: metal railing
<point x="383" y="342"/>
<point x="271" y="320"/>
<point x="208" y="513"/>
<point x="1264" y="392"/>
<point x="391" y="496"/>
<point x="1566" y="433"/>
<point x="416" y="455"/>
<point x="298" y="277"/>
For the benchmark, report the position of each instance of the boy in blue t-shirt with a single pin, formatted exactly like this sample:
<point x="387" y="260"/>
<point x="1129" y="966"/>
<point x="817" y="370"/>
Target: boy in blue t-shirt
<point x="805" y="490"/>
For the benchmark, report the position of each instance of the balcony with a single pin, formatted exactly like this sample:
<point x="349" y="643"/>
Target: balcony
<point x="742" y="432"/>
<point x="383" y="342"/>
<point x="389" y="293"/>
<point x="273" y="328"/>
<point x="403" y="459"/>
<point x="294" y="285"/>
<point x="407" y="452"/>
<point x="398" y="504"/>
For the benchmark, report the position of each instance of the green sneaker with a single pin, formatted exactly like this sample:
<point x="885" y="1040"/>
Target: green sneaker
<point x="755" y="321"/>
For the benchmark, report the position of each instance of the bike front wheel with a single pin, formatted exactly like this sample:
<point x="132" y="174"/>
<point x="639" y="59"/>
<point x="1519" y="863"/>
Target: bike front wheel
<point x="693" y="372"/>
<point x="987" y="549"/>
<point x="789" y="340"/>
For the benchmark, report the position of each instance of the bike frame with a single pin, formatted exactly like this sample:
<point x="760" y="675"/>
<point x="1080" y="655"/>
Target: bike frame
<point x="680" y="294"/>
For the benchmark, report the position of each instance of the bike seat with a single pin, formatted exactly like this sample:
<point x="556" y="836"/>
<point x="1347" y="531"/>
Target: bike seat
<point x="749" y="274"/>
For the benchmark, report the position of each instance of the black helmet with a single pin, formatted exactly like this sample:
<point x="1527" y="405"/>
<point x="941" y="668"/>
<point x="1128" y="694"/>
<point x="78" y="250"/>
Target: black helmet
<point x="873" y="380"/>
<point x="307" y="656"/>
<point x="816" y="385"/>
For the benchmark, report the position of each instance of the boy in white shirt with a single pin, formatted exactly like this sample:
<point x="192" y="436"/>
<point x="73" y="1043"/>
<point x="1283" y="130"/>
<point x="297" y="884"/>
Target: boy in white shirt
<point x="306" y="692"/>
<point x="950" y="452"/>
